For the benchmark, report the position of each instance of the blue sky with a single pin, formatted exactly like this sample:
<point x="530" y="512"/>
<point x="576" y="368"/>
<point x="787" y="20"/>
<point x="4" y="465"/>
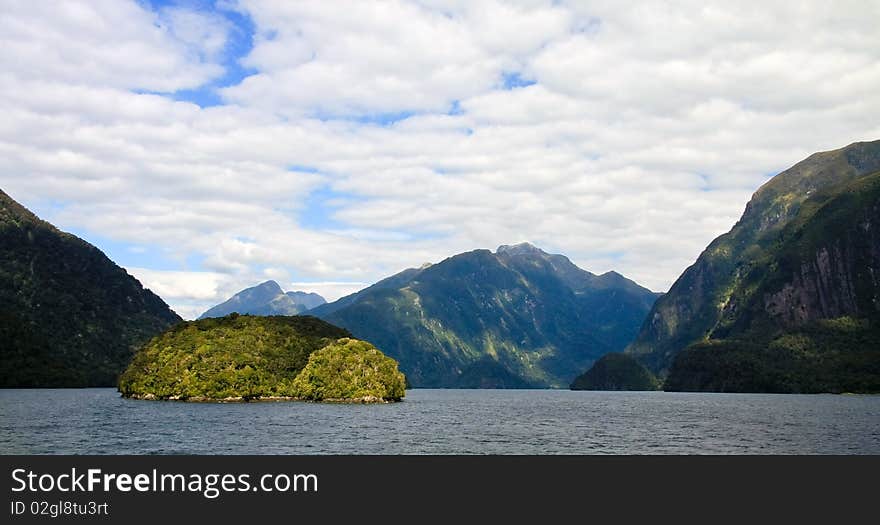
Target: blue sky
<point x="240" y="40"/>
<point x="317" y="212"/>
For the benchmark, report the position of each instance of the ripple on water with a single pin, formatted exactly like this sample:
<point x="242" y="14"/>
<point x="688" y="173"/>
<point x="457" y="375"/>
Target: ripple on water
<point x="98" y="421"/>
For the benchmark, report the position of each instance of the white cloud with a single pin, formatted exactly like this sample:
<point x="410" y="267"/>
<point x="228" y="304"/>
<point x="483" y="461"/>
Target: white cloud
<point x="645" y="131"/>
<point x="188" y="293"/>
<point x="328" y="290"/>
<point x="108" y="43"/>
<point x="204" y="35"/>
<point x="191" y="293"/>
<point x="391" y="56"/>
<point x="177" y="285"/>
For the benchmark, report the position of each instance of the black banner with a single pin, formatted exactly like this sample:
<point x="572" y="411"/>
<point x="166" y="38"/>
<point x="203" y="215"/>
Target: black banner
<point x="455" y="489"/>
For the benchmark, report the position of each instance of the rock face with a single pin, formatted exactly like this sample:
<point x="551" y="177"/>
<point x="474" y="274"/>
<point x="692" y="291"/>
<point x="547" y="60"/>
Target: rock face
<point x="247" y="358"/>
<point x="798" y="273"/>
<point x="266" y="299"/>
<point x="616" y="371"/>
<point x="69" y="316"/>
<point x="516" y="318"/>
<point x="822" y="288"/>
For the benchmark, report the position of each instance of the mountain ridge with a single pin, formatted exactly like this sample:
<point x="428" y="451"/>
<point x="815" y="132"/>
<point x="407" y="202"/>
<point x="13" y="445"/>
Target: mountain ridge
<point x="510" y="318"/>
<point x="791" y="284"/>
<point x="266" y="298"/>
<point x="69" y="316"/>
<point x="772" y="206"/>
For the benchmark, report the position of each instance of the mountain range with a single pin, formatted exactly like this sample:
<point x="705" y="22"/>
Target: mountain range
<point x="514" y="318"/>
<point x="266" y="299"/>
<point x="69" y="316"/>
<point x="789" y="299"/>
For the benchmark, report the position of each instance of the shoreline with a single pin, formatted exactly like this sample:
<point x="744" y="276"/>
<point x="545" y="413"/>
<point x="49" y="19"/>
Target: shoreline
<point x="366" y="400"/>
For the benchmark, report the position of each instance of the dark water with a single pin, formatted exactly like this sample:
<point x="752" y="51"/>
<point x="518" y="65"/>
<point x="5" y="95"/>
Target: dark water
<point x="98" y="421"/>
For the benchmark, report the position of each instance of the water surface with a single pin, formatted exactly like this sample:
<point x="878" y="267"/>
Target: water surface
<point x="98" y="421"/>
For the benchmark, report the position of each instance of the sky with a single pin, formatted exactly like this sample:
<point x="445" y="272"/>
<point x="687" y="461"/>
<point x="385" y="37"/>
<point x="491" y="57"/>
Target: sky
<point x="207" y="146"/>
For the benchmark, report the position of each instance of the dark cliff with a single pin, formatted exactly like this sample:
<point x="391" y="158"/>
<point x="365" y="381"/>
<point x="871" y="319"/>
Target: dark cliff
<point x="69" y="316"/>
<point x="709" y="300"/>
<point x="788" y="300"/>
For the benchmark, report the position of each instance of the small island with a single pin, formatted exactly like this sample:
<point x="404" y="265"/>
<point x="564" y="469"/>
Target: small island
<point x="254" y="358"/>
<point x="616" y="371"/>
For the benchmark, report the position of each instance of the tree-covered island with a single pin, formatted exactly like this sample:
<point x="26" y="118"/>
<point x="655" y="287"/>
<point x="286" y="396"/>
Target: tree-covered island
<point x="252" y="358"/>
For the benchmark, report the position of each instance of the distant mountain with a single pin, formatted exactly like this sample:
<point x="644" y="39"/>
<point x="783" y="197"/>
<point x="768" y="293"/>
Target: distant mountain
<point x="69" y="316"/>
<point x="266" y="299"/>
<point x="308" y="300"/>
<point x="789" y="299"/>
<point x="515" y="318"/>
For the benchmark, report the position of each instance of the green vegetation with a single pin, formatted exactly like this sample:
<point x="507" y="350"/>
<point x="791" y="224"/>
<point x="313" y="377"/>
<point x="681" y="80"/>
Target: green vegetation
<point x="819" y="266"/>
<point x="243" y="357"/>
<point x="347" y="370"/>
<point x="616" y="371"/>
<point x="69" y="317"/>
<point x="517" y="318"/>
<point x="839" y="355"/>
<point x="489" y="373"/>
<point x="780" y="337"/>
<point x="763" y="307"/>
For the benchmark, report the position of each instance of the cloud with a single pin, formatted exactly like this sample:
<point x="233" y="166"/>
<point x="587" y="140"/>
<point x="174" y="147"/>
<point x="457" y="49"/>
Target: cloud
<point x="191" y="293"/>
<point x="109" y="43"/>
<point x="188" y="293"/>
<point x="328" y="290"/>
<point x="385" y="57"/>
<point x="204" y="35"/>
<point x="372" y="137"/>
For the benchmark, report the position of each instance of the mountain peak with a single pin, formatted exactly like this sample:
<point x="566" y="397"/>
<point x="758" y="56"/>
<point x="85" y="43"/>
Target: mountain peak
<point x="751" y="277"/>
<point x="522" y="248"/>
<point x="266" y="298"/>
<point x="308" y="300"/>
<point x="270" y="285"/>
<point x="477" y="319"/>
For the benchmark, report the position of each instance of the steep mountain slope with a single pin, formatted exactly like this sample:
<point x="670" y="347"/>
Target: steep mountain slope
<point x="806" y="317"/>
<point x="397" y="280"/>
<point x="515" y="318"/>
<point x="266" y="299"/>
<point x="69" y="316"/>
<point x="787" y="301"/>
<point x="694" y="306"/>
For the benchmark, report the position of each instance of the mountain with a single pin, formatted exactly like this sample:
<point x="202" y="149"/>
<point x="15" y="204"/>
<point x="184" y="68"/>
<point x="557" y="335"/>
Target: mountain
<point x="394" y="282"/>
<point x="518" y="317"/>
<point x="307" y="300"/>
<point x="69" y="316"/>
<point x="243" y="358"/>
<point x="789" y="299"/>
<point x="266" y="299"/>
